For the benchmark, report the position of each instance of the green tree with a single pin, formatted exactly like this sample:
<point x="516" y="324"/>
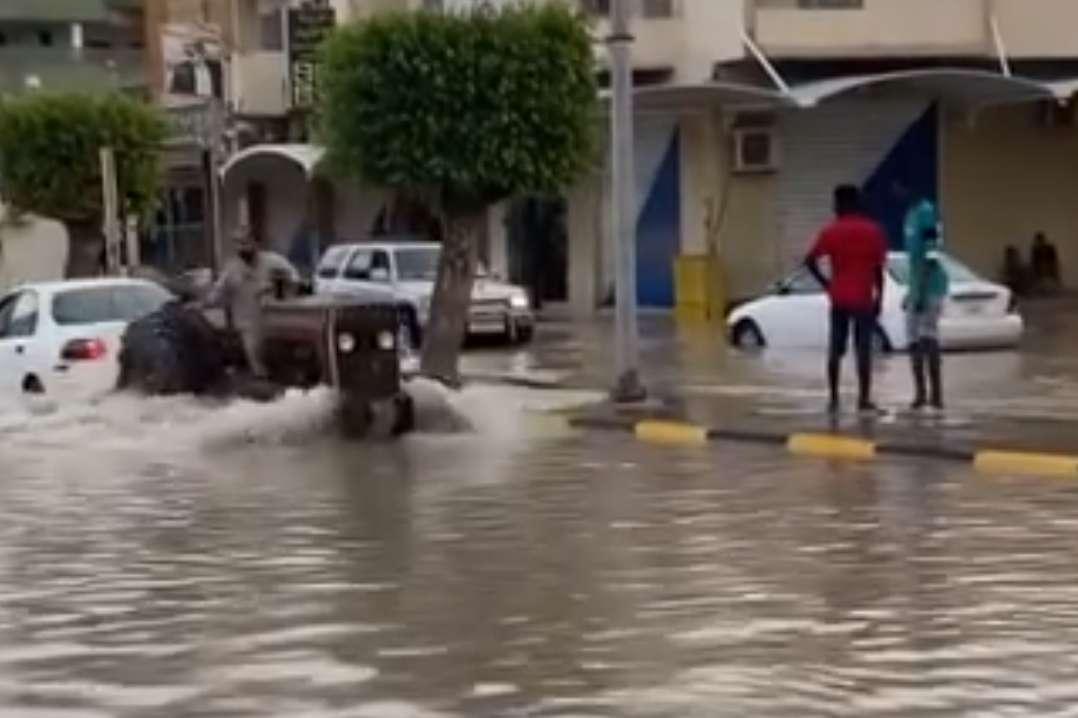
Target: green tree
<point x="464" y="109"/>
<point x="50" y="163"/>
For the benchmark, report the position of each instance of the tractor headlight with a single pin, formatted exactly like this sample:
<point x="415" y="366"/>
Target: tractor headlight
<point x="346" y="343"/>
<point x="386" y="341"/>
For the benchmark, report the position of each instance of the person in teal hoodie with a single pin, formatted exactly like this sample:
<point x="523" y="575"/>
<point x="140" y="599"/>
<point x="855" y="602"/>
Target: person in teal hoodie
<point x="928" y="288"/>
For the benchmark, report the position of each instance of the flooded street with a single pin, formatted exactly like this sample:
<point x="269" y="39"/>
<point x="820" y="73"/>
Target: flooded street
<point x="170" y="558"/>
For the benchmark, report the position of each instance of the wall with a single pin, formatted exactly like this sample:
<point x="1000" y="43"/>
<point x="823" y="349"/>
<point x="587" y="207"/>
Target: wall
<point x="888" y="27"/>
<point x="1038" y="28"/>
<point x="748" y="232"/>
<point x="700" y="34"/>
<point x="1002" y="180"/>
<point x="701" y="181"/>
<point x="32" y="252"/>
<point x="258" y="83"/>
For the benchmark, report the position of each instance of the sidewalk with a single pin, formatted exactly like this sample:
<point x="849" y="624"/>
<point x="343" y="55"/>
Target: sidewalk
<point x="1036" y="446"/>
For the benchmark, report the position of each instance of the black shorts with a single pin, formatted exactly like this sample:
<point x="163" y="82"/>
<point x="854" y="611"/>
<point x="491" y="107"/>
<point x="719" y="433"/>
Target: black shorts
<point x="864" y="327"/>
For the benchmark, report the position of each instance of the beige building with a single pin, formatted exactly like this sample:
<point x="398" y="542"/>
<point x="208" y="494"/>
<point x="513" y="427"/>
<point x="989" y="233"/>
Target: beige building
<point x="748" y="112"/>
<point x="968" y="101"/>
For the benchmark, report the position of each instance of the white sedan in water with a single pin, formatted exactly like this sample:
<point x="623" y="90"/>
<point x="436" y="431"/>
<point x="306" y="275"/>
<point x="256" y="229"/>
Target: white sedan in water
<point x="63" y="338"/>
<point x="978" y="314"/>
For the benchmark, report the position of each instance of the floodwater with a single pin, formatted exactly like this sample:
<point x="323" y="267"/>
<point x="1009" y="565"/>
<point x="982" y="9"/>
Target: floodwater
<point x="172" y="558"/>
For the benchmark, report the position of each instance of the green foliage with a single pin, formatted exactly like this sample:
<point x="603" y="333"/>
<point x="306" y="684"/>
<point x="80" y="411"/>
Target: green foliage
<point x="50" y="153"/>
<point x="476" y="106"/>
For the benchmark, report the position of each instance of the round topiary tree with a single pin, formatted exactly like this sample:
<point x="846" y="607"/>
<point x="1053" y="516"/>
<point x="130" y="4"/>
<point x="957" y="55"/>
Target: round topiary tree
<point x="50" y="163"/>
<point x="465" y="109"/>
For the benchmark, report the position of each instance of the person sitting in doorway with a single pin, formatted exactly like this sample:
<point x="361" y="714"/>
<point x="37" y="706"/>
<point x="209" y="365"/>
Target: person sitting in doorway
<point x="1044" y="265"/>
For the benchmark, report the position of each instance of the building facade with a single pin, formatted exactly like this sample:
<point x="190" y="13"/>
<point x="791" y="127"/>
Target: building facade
<point x="748" y="112"/>
<point x="968" y="102"/>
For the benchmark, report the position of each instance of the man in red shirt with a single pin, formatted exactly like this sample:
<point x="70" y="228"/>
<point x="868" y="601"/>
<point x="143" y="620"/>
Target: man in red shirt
<point x="856" y="249"/>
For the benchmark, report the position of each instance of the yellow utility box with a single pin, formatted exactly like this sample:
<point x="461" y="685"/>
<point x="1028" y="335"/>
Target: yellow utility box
<point x="698" y="283"/>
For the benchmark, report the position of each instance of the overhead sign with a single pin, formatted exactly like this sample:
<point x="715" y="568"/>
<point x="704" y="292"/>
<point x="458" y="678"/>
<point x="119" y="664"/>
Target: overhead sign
<point x="308" y="26"/>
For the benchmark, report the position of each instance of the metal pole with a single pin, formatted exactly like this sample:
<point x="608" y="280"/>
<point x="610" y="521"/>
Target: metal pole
<point x="627" y="387"/>
<point x="111" y="211"/>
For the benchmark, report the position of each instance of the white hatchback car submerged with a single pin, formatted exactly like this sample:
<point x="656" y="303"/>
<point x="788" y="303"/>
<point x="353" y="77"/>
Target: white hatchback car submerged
<point x="978" y="314"/>
<point x="63" y="338"/>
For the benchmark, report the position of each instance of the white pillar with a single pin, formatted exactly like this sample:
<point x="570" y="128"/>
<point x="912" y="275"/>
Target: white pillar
<point x="77" y="41"/>
<point x="585" y="245"/>
<point x="498" y="240"/>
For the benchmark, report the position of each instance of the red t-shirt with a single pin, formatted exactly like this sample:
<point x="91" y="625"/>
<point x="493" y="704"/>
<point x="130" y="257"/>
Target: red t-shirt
<point x="857" y="249"/>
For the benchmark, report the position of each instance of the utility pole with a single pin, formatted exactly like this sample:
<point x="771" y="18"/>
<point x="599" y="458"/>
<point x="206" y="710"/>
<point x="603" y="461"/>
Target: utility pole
<point x="628" y="387"/>
<point x="111" y="211"/>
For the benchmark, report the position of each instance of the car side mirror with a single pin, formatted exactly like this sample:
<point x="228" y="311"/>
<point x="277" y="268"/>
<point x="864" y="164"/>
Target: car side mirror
<point x="379" y="274"/>
<point x="782" y="289"/>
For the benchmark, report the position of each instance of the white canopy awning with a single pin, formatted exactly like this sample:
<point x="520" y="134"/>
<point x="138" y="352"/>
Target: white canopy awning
<point x="306" y="157"/>
<point x="970" y="89"/>
<point x="703" y="96"/>
<point x="1063" y="90"/>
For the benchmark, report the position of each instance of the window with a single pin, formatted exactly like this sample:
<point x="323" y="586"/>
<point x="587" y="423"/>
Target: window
<point x="359" y="267"/>
<point x="7" y="306"/>
<point x="420" y="264"/>
<point x="649" y="8"/>
<point x="83" y="306"/>
<point x="801" y="283"/>
<point x="271" y="30"/>
<point x="658" y="8"/>
<point x="136" y="301"/>
<point x="831" y="4"/>
<point x="330" y="266"/>
<point x="107" y="304"/>
<point x="21" y="316"/>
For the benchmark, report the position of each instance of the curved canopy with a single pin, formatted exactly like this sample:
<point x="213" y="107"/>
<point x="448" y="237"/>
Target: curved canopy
<point x="967" y="88"/>
<point x="306" y="157"/>
<point x="1063" y="90"/>
<point x="706" y="95"/>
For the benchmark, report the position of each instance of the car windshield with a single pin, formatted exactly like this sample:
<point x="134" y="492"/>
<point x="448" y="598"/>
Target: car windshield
<point x="418" y="264"/>
<point x="899" y="266"/>
<point x="95" y="305"/>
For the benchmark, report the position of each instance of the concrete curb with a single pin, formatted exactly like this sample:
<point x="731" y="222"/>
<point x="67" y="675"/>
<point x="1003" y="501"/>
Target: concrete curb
<point x="836" y="447"/>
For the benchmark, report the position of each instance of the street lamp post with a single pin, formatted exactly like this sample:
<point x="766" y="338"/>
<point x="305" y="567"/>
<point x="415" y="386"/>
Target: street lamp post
<point x="627" y="387"/>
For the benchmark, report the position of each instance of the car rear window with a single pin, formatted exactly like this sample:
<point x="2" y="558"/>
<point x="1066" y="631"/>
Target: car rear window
<point x="107" y="304"/>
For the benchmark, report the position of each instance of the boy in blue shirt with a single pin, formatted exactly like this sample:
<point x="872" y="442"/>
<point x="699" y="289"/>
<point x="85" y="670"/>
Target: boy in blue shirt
<point x="928" y="288"/>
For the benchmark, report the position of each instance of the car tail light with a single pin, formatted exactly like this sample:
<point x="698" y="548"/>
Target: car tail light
<point x="84" y="350"/>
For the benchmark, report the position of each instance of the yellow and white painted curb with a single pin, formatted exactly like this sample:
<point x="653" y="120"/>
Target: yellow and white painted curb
<point x="671" y="433"/>
<point x="1020" y="463"/>
<point x="828" y="446"/>
<point x="837" y="447"/>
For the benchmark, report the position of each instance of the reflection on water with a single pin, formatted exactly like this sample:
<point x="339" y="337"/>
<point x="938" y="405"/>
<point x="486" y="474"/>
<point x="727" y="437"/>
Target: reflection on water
<point x="169" y="558"/>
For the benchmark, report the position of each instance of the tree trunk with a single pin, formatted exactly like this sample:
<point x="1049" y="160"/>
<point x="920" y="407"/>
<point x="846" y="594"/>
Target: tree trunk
<point x="85" y="249"/>
<point x="450" y="304"/>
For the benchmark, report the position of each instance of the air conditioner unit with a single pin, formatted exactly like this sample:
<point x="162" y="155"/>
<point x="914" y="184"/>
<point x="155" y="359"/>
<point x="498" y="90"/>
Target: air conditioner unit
<point x="756" y="150"/>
